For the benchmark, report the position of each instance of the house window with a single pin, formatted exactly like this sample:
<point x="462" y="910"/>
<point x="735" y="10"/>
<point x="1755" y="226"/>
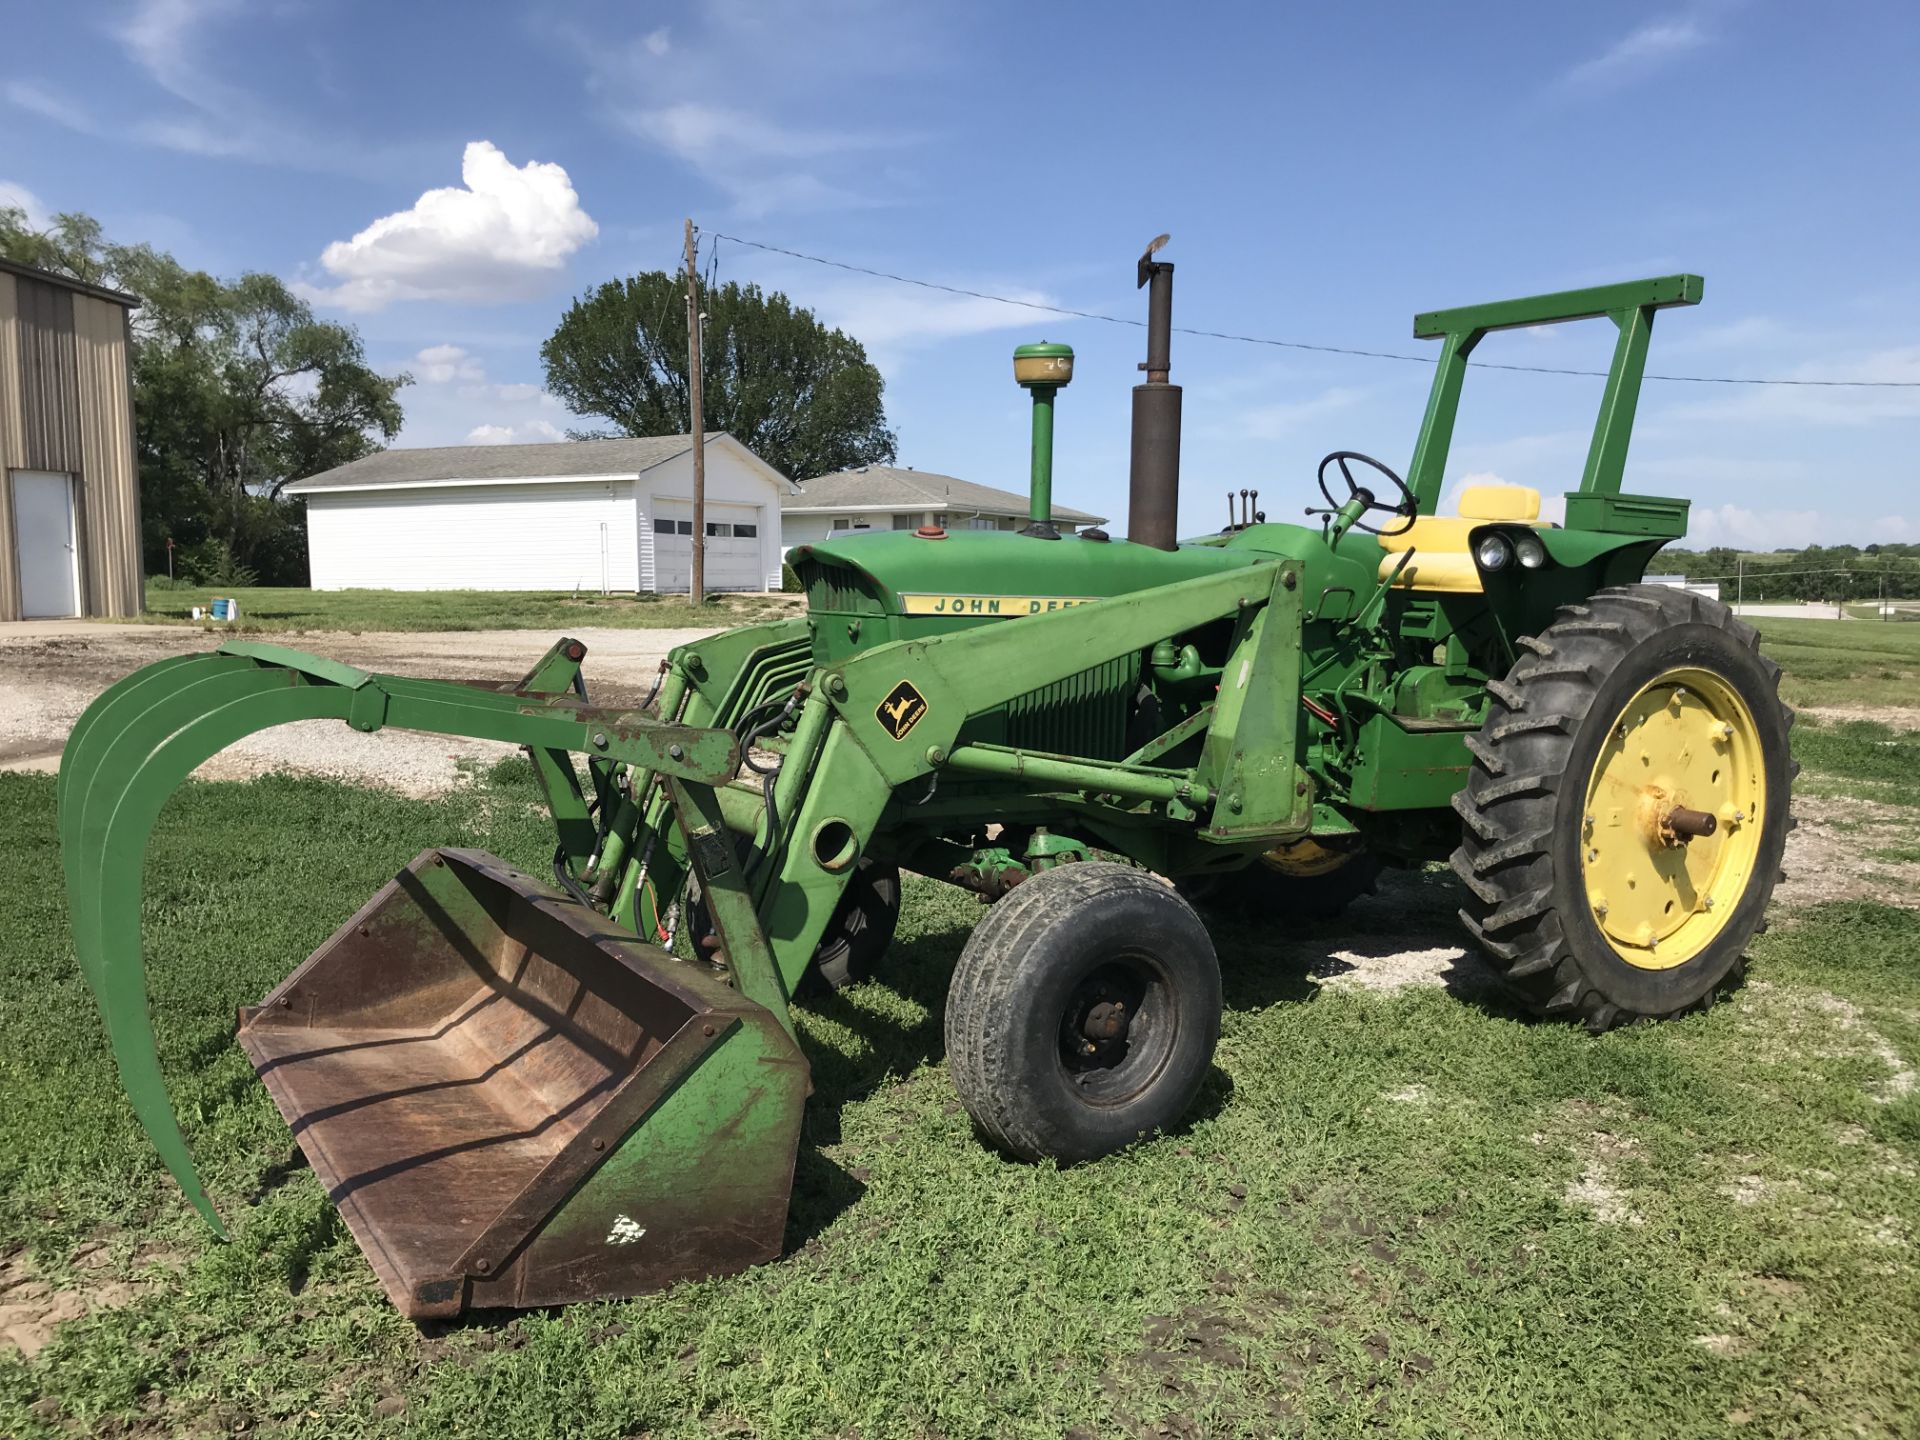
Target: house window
<point x="662" y="527"/>
<point x="745" y="532"/>
<point x="982" y="522"/>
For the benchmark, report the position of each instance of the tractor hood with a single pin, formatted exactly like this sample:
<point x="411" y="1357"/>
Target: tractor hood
<point x="985" y="574"/>
<point x="872" y="589"/>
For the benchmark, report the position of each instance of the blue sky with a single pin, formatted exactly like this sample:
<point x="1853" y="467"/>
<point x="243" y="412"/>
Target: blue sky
<point x="447" y="176"/>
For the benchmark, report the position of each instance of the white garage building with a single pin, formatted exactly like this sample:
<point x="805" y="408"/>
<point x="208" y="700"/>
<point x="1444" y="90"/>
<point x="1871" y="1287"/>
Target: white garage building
<point x="591" y="515"/>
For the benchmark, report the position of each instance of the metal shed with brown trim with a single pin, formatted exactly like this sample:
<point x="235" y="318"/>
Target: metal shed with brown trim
<point x="70" y="502"/>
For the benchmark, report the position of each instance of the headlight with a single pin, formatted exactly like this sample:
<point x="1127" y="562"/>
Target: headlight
<point x="1531" y="552"/>
<point x="1493" y="552"/>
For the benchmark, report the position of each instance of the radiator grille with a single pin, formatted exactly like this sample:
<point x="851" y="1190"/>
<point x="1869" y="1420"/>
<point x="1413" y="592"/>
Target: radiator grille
<point x="830" y="587"/>
<point x="1084" y="714"/>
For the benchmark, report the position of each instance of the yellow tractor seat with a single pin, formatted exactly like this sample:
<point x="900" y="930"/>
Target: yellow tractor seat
<point x="1441" y="560"/>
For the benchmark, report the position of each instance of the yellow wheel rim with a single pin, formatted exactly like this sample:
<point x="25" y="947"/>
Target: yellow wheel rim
<point x="1306" y="859"/>
<point x="1682" y="750"/>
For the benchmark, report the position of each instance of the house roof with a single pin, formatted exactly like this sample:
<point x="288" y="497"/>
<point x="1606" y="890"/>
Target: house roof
<point x="67" y="282"/>
<point x="571" y="459"/>
<point x="888" y="487"/>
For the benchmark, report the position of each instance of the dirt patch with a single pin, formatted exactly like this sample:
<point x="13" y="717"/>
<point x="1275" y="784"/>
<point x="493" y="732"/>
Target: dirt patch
<point x="1725" y="1346"/>
<point x="1823" y="1026"/>
<point x="32" y="1310"/>
<point x="1898" y="717"/>
<point x="45" y="682"/>
<point x="1829" y="854"/>
<point x="1595" y="1136"/>
<point x="1406" y="936"/>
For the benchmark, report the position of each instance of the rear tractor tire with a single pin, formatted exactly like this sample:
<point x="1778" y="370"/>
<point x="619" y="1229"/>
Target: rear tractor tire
<point x="1627" y="808"/>
<point x="1083" y="1013"/>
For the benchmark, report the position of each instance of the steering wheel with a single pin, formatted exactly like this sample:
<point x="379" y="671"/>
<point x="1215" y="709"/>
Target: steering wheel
<point x="1407" y="508"/>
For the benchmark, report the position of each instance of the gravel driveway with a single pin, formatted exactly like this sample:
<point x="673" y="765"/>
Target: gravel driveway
<point x="50" y="672"/>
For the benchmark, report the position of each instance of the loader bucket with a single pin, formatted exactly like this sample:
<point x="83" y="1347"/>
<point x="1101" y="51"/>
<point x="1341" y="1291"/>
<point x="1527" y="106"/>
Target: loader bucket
<point x="514" y="1102"/>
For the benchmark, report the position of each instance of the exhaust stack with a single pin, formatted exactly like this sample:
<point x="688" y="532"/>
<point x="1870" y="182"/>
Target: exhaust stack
<point x="1153" y="501"/>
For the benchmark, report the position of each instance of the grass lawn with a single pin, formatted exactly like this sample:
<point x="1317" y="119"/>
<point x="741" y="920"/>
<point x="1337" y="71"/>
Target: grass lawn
<point x="1844" y="662"/>
<point x="1402" y="1213"/>
<point x="264" y="609"/>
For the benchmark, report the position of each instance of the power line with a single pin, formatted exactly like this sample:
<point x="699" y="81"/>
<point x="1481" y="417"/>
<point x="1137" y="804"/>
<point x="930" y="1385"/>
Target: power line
<point x="1291" y="344"/>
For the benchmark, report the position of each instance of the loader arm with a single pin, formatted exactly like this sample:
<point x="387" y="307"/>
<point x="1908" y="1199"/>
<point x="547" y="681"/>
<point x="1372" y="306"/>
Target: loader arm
<point x="143" y="736"/>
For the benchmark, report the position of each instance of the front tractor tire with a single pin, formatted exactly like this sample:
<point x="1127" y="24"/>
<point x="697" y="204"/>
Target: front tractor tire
<point x="1083" y="1013"/>
<point x="1627" y="808"/>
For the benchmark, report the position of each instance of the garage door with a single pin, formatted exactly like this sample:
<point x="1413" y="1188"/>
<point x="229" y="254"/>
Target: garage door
<point x="529" y="536"/>
<point x="733" y="547"/>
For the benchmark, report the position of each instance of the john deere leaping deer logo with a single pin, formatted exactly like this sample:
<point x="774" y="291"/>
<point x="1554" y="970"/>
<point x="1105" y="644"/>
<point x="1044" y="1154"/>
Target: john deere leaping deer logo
<point x="901" y="710"/>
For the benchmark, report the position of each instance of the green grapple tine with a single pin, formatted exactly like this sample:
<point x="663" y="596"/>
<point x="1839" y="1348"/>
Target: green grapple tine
<point x="598" y="1077"/>
<point x="180" y="719"/>
<point x="87" y="730"/>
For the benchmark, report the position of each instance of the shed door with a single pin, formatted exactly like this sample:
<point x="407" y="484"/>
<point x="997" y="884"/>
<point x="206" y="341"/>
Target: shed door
<point x="49" y="563"/>
<point x="733" y="547"/>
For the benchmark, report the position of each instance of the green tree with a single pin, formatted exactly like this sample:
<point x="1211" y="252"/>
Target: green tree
<point x="238" y="390"/>
<point x="801" y="396"/>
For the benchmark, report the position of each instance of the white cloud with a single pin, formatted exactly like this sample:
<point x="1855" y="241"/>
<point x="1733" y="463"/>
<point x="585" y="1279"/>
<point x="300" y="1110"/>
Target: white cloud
<point x="37" y="99"/>
<point x="1891" y="392"/>
<point x="1653" y="44"/>
<point x="440" y="364"/>
<point x="1742" y="334"/>
<point x="703" y="133"/>
<point x="1746" y="529"/>
<point x="203" y="111"/>
<point x="805" y="88"/>
<point x="512" y="392"/>
<point x="18" y="197"/>
<point x="752" y="157"/>
<point x="1270" y="422"/>
<point x="533" y="432"/>
<point x="892" y="317"/>
<point x="504" y="235"/>
<point x="1894" y="530"/>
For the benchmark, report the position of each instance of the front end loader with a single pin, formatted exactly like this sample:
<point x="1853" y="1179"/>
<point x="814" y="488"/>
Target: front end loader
<point x="527" y="1090"/>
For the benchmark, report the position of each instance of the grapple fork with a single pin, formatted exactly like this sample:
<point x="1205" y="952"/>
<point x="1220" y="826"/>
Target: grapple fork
<point x="512" y="1100"/>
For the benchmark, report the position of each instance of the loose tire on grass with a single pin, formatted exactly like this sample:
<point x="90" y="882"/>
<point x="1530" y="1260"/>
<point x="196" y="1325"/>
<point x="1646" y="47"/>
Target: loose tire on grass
<point x="1627" y="808"/>
<point x="1083" y="1013"/>
<point x="861" y="928"/>
<point x="858" y="932"/>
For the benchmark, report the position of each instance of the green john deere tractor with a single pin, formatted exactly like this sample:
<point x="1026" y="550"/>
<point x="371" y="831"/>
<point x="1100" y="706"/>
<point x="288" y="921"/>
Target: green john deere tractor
<point x="526" y="1090"/>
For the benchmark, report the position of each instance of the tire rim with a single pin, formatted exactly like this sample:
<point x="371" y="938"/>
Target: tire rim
<point x="1117" y="1031"/>
<point x="1670" y="835"/>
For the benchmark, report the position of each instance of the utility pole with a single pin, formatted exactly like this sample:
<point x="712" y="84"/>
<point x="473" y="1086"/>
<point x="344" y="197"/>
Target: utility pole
<point x="697" y="587"/>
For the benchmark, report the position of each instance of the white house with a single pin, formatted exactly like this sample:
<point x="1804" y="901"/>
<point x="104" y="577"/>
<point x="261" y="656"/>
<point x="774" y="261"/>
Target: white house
<point x="886" y="497"/>
<point x="595" y="515"/>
